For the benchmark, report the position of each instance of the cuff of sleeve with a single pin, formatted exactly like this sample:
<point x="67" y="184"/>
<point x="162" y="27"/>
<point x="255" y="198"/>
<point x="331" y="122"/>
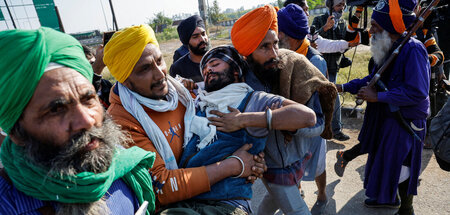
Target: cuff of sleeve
<point x="382" y="97"/>
<point x="344" y="86"/>
<point x="201" y="184"/>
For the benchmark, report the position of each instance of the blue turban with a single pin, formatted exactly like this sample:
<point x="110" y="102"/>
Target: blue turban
<point x="292" y="20"/>
<point x="394" y="16"/>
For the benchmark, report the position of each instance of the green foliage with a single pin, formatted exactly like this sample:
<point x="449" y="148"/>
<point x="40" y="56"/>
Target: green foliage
<point x="160" y="22"/>
<point x="237" y="14"/>
<point x="314" y="3"/>
<point x="215" y="14"/>
<point x="280" y="3"/>
<point x="167" y="34"/>
<point x="219" y="32"/>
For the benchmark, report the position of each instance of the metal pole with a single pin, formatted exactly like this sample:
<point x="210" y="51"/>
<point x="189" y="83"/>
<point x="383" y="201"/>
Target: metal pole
<point x="10" y="15"/>
<point x="202" y="9"/>
<point x="61" y="26"/>
<point x="113" y="15"/>
<point x="104" y="16"/>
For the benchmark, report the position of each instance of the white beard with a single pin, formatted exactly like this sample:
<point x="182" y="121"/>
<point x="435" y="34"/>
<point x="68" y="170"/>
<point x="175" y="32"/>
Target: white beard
<point x="380" y="44"/>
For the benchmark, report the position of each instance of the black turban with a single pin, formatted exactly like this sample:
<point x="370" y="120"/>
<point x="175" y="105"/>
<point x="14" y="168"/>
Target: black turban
<point x="187" y="27"/>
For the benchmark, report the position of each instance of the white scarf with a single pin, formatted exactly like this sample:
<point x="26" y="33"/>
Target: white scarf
<point x="132" y="102"/>
<point x="231" y="95"/>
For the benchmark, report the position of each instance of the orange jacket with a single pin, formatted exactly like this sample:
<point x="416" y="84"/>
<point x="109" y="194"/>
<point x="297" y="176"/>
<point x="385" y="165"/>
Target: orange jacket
<point x="169" y="185"/>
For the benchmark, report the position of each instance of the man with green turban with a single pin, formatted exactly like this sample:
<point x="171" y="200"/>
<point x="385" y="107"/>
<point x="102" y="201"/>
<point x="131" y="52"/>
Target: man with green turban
<point x="63" y="155"/>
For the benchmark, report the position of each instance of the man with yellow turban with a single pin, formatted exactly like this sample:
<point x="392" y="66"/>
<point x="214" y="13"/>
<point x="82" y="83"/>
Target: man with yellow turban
<point x="63" y="155"/>
<point x="158" y="112"/>
<point x="291" y="75"/>
<point x="395" y="155"/>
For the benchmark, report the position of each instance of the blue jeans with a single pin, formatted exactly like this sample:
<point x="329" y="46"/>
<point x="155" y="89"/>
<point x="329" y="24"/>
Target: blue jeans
<point x="336" y="124"/>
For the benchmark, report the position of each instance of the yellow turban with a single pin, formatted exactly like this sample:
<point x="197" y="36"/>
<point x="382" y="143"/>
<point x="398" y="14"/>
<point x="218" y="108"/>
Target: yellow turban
<point x="125" y="48"/>
<point x="249" y="30"/>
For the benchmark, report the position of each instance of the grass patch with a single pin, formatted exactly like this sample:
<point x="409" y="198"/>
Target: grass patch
<point x="168" y="34"/>
<point x="359" y="69"/>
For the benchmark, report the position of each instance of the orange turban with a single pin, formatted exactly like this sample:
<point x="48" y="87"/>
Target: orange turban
<point x="249" y="30"/>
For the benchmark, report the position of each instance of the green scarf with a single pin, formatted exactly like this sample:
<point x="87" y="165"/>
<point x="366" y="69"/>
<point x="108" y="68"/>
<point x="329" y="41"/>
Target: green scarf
<point x="129" y="164"/>
<point x="25" y="55"/>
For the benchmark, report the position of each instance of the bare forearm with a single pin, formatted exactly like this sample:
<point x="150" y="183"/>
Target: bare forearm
<point x="288" y="117"/>
<point x="223" y="169"/>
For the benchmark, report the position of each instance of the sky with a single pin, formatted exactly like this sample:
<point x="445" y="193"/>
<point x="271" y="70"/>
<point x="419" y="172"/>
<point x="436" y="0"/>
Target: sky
<point x="87" y="15"/>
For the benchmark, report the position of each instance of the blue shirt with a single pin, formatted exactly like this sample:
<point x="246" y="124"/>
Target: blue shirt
<point x="119" y="198"/>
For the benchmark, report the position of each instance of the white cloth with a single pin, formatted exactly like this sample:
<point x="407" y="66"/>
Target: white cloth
<point x="132" y="102"/>
<point x="329" y="46"/>
<point x="321" y="163"/>
<point x="231" y="95"/>
<point x="404" y="174"/>
<point x="52" y="66"/>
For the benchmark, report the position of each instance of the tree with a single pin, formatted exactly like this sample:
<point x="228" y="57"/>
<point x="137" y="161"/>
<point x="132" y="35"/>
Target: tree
<point x="313" y="3"/>
<point x="280" y="3"/>
<point x="214" y="13"/>
<point x="160" y="22"/>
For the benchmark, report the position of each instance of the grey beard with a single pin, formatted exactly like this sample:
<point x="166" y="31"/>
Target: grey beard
<point x="380" y="44"/>
<point x="94" y="208"/>
<point x="72" y="158"/>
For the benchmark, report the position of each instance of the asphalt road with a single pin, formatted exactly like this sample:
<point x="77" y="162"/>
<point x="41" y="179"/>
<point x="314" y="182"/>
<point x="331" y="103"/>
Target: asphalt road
<point x="346" y="195"/>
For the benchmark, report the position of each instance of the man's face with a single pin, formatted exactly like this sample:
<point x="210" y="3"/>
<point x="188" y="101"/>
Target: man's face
<point x="63" y="127"/>
<point x="266" y="54"/>
<point x="380" y="42"/>
<point x="284" y="40"/>
<point x="90" y="58"/>
<point x="199" y="42"/>
<point x="339" y="7"/>
<point x="375" y="27"/>
<point x="63" y="104"/>
<point x="148" y="77"/>
<point x="217" y="74"/>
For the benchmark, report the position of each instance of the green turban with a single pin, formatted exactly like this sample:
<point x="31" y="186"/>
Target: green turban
<point x="25" y="55"/>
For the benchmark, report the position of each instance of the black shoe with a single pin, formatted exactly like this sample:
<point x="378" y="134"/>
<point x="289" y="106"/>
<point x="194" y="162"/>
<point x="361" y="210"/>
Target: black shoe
<point x="341" y="136"/>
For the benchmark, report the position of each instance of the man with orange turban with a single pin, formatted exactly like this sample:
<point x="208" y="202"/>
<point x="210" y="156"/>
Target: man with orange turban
<point x="394" y="160"/>
<point x="158" y="112"/>
<point x="291" y="75"/>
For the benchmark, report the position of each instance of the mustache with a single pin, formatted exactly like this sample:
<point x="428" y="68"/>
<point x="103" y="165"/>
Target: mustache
<point x="202" y="43"/>
<point x="80" y="140"/>
<point x="212" y="73"/>
<point x="159" y="83"/>
<point x="271" y="61"/>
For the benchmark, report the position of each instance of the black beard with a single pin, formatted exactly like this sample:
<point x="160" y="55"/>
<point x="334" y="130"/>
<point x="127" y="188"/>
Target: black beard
<point x="267" y="76"/>
<point x="224" y="79"/>
<point x="199" y="51"/>
<point x="72" y="158"/>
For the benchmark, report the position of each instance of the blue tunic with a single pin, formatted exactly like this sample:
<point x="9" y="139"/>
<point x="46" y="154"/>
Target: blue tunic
<point x="119" y="198"/>
<point x="389" y="145"/>
<point x="224" y="146"/>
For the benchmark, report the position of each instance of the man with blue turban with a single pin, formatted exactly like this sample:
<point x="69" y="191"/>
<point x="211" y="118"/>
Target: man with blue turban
<point x="63" y="155"/>
<point x="394" y="160"/>
<point x="292" y="30"/>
